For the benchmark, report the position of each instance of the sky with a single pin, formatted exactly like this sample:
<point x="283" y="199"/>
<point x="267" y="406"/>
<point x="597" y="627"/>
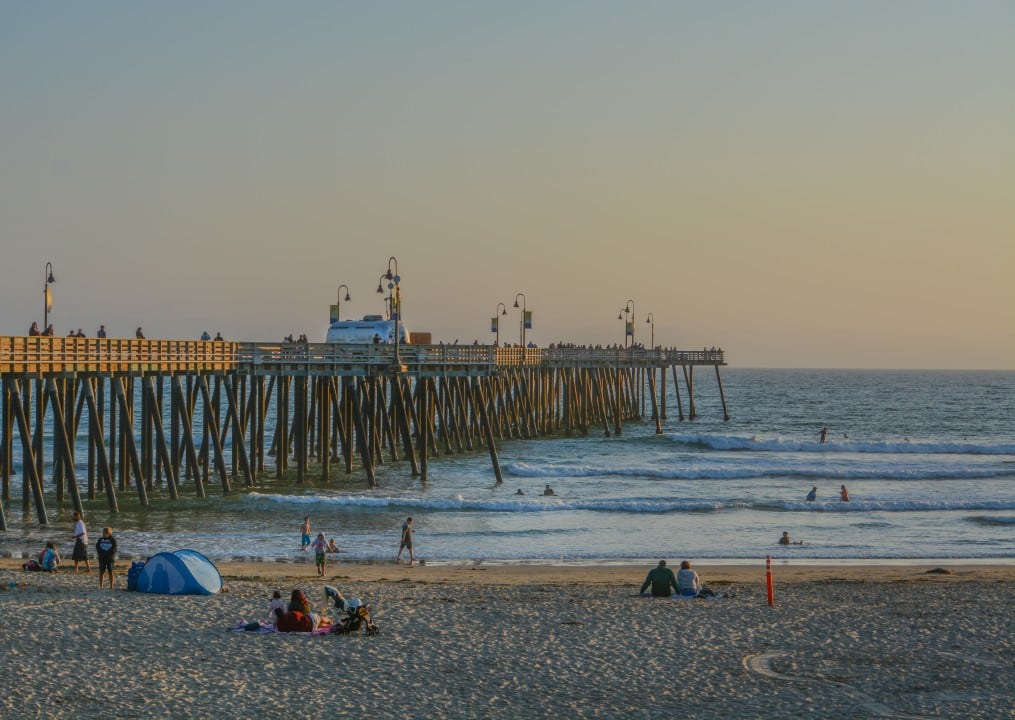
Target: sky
<point x="804" y="184"/>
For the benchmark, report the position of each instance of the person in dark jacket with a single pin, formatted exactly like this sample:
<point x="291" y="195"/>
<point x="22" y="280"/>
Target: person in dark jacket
<point x="662" y="580"/>
<point x="105" y="548"/>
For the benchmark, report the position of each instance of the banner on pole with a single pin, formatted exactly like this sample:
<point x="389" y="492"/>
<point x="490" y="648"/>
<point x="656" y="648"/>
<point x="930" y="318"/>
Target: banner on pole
<point x="494" y="325"/>
<point x="528" y="320"/>
<point x="333" y="317"/>
<point x="629" y="331"/>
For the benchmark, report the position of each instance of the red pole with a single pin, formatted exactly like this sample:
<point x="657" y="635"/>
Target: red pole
<point x="768" y="579"/>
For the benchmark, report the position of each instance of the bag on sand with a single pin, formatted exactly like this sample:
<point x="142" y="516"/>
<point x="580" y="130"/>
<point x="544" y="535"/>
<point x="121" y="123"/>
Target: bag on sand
<point x="133" y="574"/>
<point x="32" y="566"/>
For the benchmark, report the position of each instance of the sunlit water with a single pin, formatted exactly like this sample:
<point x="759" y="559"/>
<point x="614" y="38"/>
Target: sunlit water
<point x="928" y="457"/>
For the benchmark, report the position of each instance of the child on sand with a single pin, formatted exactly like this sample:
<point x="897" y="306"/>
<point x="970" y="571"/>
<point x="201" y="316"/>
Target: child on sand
<point x="50" y="557"/>
<point x="276" y="602"/>
<point x="105" y="548"/>
<point x="320" y="546"/>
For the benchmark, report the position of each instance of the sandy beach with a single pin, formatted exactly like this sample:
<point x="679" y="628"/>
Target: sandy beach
<point x="519" y="641"/>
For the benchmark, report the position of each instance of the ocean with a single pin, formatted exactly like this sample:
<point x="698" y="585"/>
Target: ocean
<point x="928" y="458"/>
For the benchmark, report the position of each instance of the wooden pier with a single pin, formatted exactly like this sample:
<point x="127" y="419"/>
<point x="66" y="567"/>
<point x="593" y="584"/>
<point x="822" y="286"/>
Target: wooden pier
<point x="164" y="417"/>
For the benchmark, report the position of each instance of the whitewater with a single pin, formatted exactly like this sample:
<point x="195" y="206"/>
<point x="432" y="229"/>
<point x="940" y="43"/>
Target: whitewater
<point x="928" y="458"/>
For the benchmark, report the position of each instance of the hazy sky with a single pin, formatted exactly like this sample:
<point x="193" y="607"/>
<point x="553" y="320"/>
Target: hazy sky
<point x="805" y="184"/>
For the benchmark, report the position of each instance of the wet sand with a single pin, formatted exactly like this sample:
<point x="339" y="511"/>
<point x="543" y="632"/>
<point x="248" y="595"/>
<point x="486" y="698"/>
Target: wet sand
<point x="515" y="641"/>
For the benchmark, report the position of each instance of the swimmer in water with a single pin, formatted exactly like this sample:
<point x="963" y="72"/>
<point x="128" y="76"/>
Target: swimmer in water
<point x="784" y="540"/>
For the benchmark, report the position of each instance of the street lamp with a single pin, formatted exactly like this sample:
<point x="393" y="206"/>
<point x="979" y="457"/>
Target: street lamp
<point x="629" y="310"/>
<point x="521" y="322"/>
<point x="45" y="296"/>
<point x="387" y="300"/>
<point x="652" y="319"/>
<point x="338" y="301"/>
<point x="496" y="321"/>
<point x="395" y="297"/>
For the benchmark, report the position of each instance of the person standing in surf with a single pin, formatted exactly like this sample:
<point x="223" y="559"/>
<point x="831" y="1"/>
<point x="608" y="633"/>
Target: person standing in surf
<point x="406" y="542"/>
<point x="844" y="493"/>
<point x="305" y="533"/>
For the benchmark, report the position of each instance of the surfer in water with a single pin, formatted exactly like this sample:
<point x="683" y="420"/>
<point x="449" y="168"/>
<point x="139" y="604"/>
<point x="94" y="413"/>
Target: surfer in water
<point x="549" y="491"/>
<point x="813" y="494"/>
<point x="844" y="493"/>
<point x="823" y="433"/>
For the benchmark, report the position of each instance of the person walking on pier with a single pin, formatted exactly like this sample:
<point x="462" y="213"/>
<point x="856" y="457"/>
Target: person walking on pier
<point x="34" y="330"/>
<point x="406" y="543"/>
<point x="102" y="332"/>
<point x="305" y="533"/>
<point x="139" y="333"/>
<point x="80" y="554"/>
<point x="105" y="549"/>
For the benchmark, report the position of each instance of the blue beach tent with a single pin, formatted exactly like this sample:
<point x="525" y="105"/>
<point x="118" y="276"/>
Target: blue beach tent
<point x="184" y="572"/>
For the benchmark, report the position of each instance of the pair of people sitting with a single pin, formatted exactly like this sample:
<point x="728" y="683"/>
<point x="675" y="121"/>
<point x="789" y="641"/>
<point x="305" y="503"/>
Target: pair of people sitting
<point x="685" y="583"/>
<point x="49" y="559"/>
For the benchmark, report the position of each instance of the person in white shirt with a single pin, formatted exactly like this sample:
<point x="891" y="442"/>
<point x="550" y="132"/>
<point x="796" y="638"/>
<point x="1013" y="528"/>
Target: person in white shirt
<point x="80" y="543"/>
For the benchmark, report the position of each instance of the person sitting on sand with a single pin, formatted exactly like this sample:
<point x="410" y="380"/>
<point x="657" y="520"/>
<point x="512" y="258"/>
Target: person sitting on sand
<point x="549" y="491"/>
<point x="784" y="540"/>
<point x="298" y="621"/>
<point x="50" y="558"/>
<point x="812" y="495"/>
<point x="661" y="579"/>
<point x="298" y="601"/>
<point x="689" y="584"/>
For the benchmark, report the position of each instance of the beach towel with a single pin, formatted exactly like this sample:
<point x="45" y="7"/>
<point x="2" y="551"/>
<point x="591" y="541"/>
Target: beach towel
<point x="263" y="629"/>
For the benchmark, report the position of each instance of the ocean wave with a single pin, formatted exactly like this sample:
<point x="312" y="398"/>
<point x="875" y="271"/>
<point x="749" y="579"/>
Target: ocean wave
<point x="992" y="520"/>
<point x="780" y="444"/>
<point x="516" y="504"/>
<point x="696" y="470"/>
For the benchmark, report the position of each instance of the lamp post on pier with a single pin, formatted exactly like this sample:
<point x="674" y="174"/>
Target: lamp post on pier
<point x="521" y="322"/>
<point x="338" y="301"/>
<point x="47" y="302"/>
<point x="652" y="320"/>
<point x="628" y="309"/>
<point x="496" y="321"/>
<point x="395" y="300"/>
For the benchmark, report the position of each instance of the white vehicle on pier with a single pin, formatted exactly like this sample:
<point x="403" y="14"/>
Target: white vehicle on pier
<point x="372" y="328"/>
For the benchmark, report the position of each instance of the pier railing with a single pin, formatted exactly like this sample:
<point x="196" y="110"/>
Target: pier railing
<point x="22" y="355"/>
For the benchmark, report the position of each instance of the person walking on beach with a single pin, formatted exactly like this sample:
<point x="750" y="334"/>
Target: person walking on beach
<point x="105" y="549"/>
<point x="661" y="579"/>
<point x="406" y="543"/>
<point x="305" y="533"/>
<point x="844" y="493"/>
<point x="813" y="494"/>
<point x="320" y="545"/>
<point x="80" y="543"/>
